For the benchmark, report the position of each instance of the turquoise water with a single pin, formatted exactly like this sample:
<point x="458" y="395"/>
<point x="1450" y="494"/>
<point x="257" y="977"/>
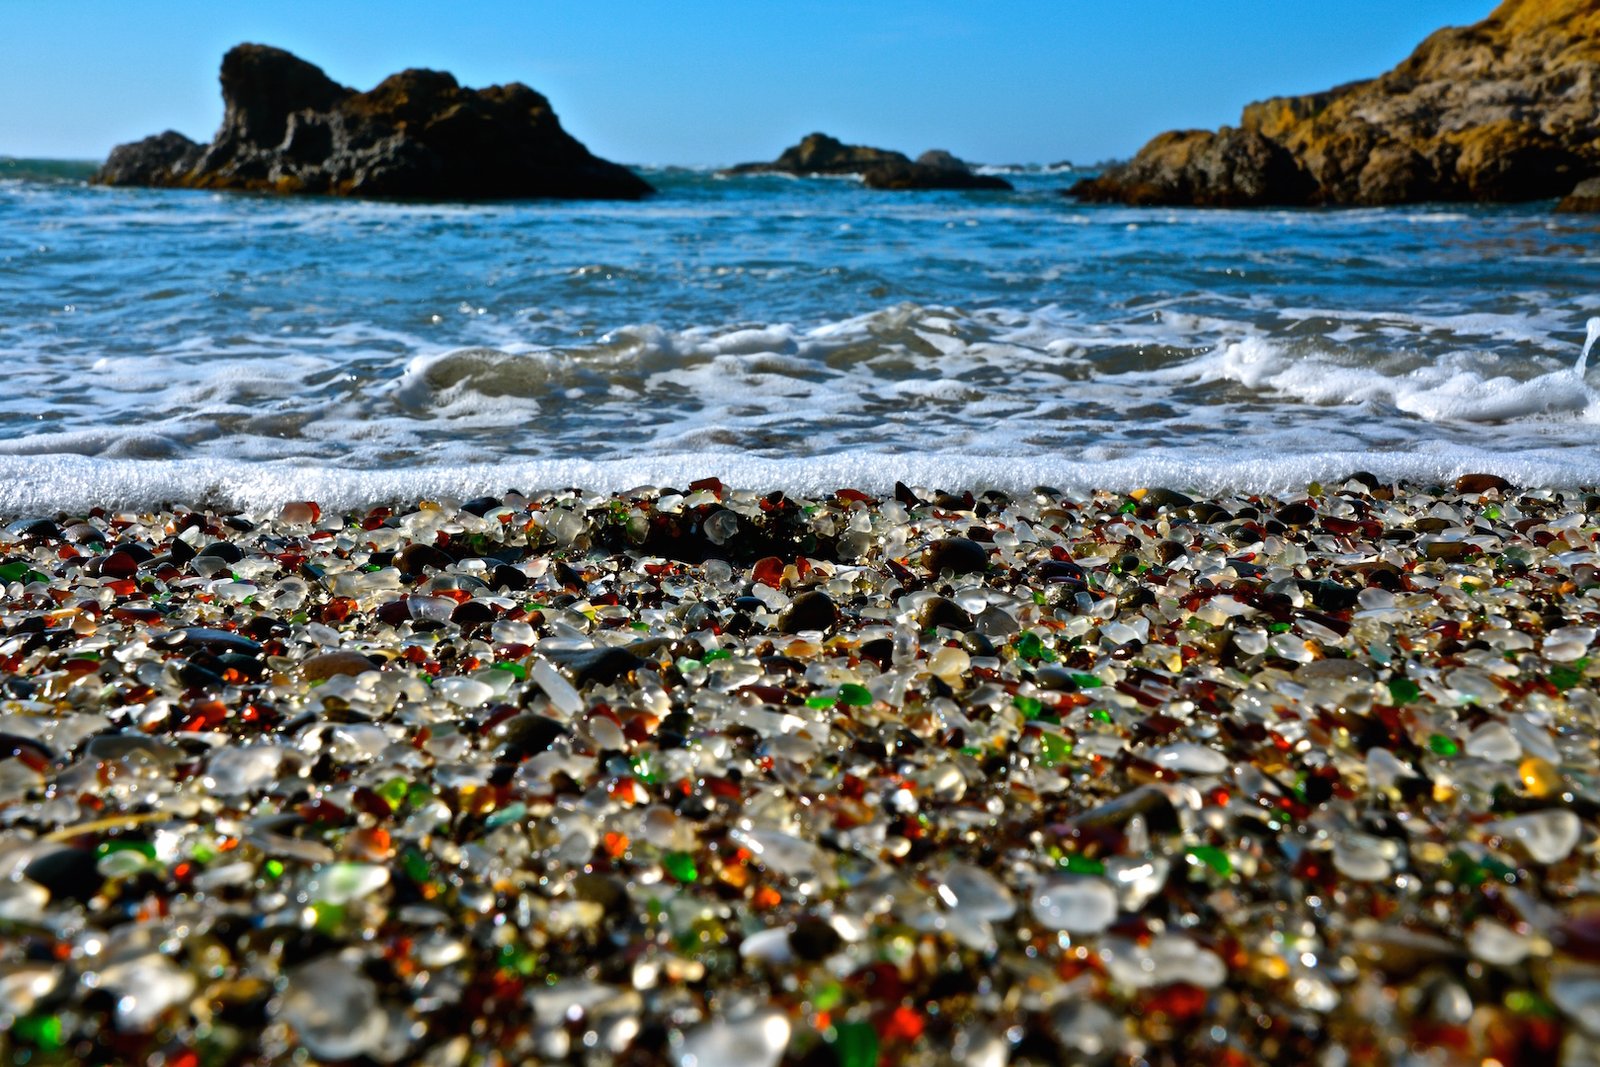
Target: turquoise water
<point x="805" y="332"/>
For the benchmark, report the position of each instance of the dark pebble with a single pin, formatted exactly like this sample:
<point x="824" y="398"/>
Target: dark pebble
<point x="958" y="555"/>
<point x="1058" y="679"/>
<point x="226" y="551"/>
<point x="32" y="529"/>
<point x="481" y="505"/>
<point x="116" y="565"/>
<point x="1061" y="570"/>
<point x="601" y="666"/>
<point x="1329" y="596"/>
<point x="938" y="611"/>
<point x="68" y="873"/>
<point x="1297" y="514"/>
<point x="1165" y="498"/>
<point x="395" y="612"/>
<point x="506" y="576"/>
<point x="880" y="651"/>
<point x="977" y="644"/>
<point x="215" y="640"/>
<point x="472" y="613"/>
<point x="608" y="891"/>
<point x="84" y="534"/>
<point x="416" y="558"/>
<point x="810" y="611"/>
<point x="813" y="939"/>
<point x="525" y="735"/>
<point x="1477" y="484"/>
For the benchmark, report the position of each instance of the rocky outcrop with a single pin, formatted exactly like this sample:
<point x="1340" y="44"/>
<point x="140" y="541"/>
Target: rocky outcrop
<point x="935" y="169"/>
<point x="879" y="168"/>
<point x="820" y="154"/>
<point x="288" y="128"/>
<point x="1584" y="198"/>
<point x="1505" y="109"/>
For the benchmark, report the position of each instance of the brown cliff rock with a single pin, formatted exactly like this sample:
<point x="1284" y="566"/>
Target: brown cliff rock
<point x="1506" y="109"/>
<point x="1584" y="198"/>
<point x="288" y="128"/>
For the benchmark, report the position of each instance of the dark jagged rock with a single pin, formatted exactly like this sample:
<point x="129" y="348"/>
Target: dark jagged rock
<point x="879" y="168"/>
<point x="288" y="128"/>
<point x="1584" y="198"/>
<point x="935" y="169"/>
<point x="821" y="154"/>
<point x="1506" y="109"/>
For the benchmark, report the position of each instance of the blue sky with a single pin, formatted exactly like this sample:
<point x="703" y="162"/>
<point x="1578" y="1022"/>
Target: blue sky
<point x="723" y="81"/>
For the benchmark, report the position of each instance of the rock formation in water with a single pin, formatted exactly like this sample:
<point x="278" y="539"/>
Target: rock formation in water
<point x="935" y="169"/>
<point x="288" y="128"/>
<point x="1505" y="109"/>
<point x="879" y="168"/>
<point x="1584" y="198"/>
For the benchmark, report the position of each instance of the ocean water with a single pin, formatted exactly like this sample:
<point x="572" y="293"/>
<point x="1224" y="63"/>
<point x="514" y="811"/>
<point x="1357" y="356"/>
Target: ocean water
<point x="804" y="334"/>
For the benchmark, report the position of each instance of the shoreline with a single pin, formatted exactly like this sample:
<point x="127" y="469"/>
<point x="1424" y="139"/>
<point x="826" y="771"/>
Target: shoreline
<point x="48" y="484"/>
<point x="730" y="777"/>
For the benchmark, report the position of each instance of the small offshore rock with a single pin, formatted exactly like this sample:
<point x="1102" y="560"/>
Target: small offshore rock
<point x="1584" y="198"/>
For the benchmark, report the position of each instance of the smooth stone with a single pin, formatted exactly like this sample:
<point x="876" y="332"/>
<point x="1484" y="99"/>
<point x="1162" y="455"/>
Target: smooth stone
<point x="1078" y="906"/>
<point x="1576" y="991"/>
<point x="1547" y="836"/>
<point x="770" y="946"/>
<point x="325" y="665"/>
<point x="1495" y="943"/>
<point x="237" y="771"/>
<point x="758" y="1040"/>
<point x="145" y="988"/>
<point x="226" y="551"/>
<point x="971" y="889"/>
<point x="417" y="557"/>
<point x="1494" y="741"/>
<point x="563" y="697"/>
<point x="1168" y="958"/>
<point x="464" y="692"/>
<point x="814" y="610"/>
<point x="958" y="555"/>
<point x="340" y="883"/>
<point x="216" y="640"/>
<point x="22" y="901"/>
<point x="333" y="1009"/>
<point x="1137" y="879"/>
<point x="525" y="735"/>
<point x="67" y="873"/>
<point x="1478" y="484"/>
<point x="599" y="666"/>
<point x="814" y="939"/>
<point x="32" y="529"/>
<point x="937" y="611"/>
<point x="780" y="852"/>
<point x="1189" y="757"/>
